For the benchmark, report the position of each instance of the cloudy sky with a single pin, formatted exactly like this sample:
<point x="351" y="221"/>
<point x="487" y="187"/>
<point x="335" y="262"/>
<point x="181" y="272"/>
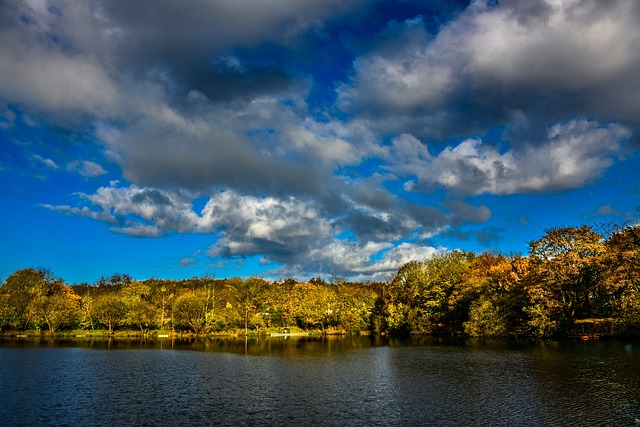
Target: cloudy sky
<point x="305" y="138"/>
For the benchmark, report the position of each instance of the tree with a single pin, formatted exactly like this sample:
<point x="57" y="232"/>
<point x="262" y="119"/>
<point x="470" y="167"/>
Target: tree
<point x="116" y="280"/>
<point x="20" y="290"/>
<point x="490" y="298"/>
<point x="486" y="320"/>
<point x="562" y="280"/>
<point x="355" y="305"/>
<point x="246" y="293"/>
<point x="110" y="310"/>
<point x="189" y="310"/>
<point x="6" y="311"/>
<point x="312" y="305"/>
<point x="140" y="311"/>
<point x="419" y="293"/>
<point x="619" y="277"/>
<point x="58" y="306"/>
<point x="162" y="295"/>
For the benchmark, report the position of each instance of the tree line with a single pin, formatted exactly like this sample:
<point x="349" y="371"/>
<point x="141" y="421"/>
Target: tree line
<point x="574" y="281"/>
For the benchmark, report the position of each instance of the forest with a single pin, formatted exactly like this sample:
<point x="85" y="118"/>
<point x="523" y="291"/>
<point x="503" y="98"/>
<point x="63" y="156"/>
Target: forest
<point x="574" y="281"/>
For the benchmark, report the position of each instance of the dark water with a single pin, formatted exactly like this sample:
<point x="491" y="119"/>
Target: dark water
<point x="332" y="381"/>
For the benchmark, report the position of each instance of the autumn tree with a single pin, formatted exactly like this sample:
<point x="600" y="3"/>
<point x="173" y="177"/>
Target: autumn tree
<point x="561" y="280"/>
<point x="311" y="305"/>
<point x="162" y="295"/>
<point x="619" y="277"/>
<point x="489" y="299"/>
<point x="419" y="293"/>
<point x="247" y="295"/>
<point x="19" y="292"/>
<point x="140" y="311"/>
<point x="274" y="300"/>
<point x="354" y="306"/>
<point x="116" y="280"/>
<point x="57" y="306"/>
<point x="189" y="310"/>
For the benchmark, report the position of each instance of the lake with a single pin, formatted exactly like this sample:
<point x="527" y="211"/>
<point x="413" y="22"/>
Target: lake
<point x="328" y="381"/>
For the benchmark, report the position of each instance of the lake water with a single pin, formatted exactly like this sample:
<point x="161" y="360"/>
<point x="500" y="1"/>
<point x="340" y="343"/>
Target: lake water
<point x="332" y="381"/>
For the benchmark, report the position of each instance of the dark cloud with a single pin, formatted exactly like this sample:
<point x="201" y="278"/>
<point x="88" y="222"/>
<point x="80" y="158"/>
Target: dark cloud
<point x="524" y="64"/>
<point x="462" y="212"/>
<point x="154" y="156"/>
<point x="153" y="197"/>
<point x="373" y="228"/>
<point x="487" y="237"/>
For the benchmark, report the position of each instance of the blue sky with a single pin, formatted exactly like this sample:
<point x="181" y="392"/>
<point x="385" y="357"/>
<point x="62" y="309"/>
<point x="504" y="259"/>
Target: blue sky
<point x="306" y="138"/>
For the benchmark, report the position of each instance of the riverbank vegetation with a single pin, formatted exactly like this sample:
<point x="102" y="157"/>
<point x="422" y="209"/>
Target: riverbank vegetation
<point x="574" y="281"/>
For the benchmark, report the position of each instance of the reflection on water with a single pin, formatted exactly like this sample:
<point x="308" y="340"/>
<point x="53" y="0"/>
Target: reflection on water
<point x="323" y="381"/>
<point x="281" y="345"/>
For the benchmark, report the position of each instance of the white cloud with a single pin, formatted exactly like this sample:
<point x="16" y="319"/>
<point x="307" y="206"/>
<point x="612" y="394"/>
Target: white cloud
<point x="86" y="168"/>
<point x="572" y="45"/>
<point x="47" y="162"/>
<point x="262" y="218"/>
<point x="140" y="212"/>
<point x="287" y="231"/>
<point x="294" y="233"/>
<point x="574" y="154"/>
<point x="84" y="212"/>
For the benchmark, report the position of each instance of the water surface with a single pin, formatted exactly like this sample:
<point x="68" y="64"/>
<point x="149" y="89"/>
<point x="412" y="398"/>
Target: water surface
<point x="324" y="381"/>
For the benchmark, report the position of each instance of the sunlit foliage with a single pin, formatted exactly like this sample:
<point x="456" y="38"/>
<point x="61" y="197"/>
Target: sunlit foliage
<point x="573" y="281"/>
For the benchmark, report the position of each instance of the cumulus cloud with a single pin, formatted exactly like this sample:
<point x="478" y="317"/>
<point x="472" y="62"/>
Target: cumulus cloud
<point x="399" y="76"/>
<point x="135" y="211"/>
<point x="486" y="237"/>
<point x="523" y="63"/>
<point x="463" y="212"/>
<point x="47" y="69"/>
<point x="289" y="232"/>
<point x="294" y="233"/>
<point x="573" y="154"/>
<point x="226" y="147"/>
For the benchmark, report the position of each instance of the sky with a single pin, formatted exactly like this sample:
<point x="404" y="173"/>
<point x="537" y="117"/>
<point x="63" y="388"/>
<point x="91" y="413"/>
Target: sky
<point x="308" y="138"/>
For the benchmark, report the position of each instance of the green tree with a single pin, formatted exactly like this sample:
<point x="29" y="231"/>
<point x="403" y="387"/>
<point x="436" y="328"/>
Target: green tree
<point x="486" y="319"/>
<point x="162" y="296"/>
<point x="247" y="295"/>
<point x="140" y="311"/>
<point x="189" y="310"/>
<point x="110" y="309"/>
<point x="312" y="305"/>
<point x="419" y="293"/>
<point x="6" y="311"/>
<point x="58" y="306"/>
<point x="19" y="291"/>
<point x="354" y="306"/>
